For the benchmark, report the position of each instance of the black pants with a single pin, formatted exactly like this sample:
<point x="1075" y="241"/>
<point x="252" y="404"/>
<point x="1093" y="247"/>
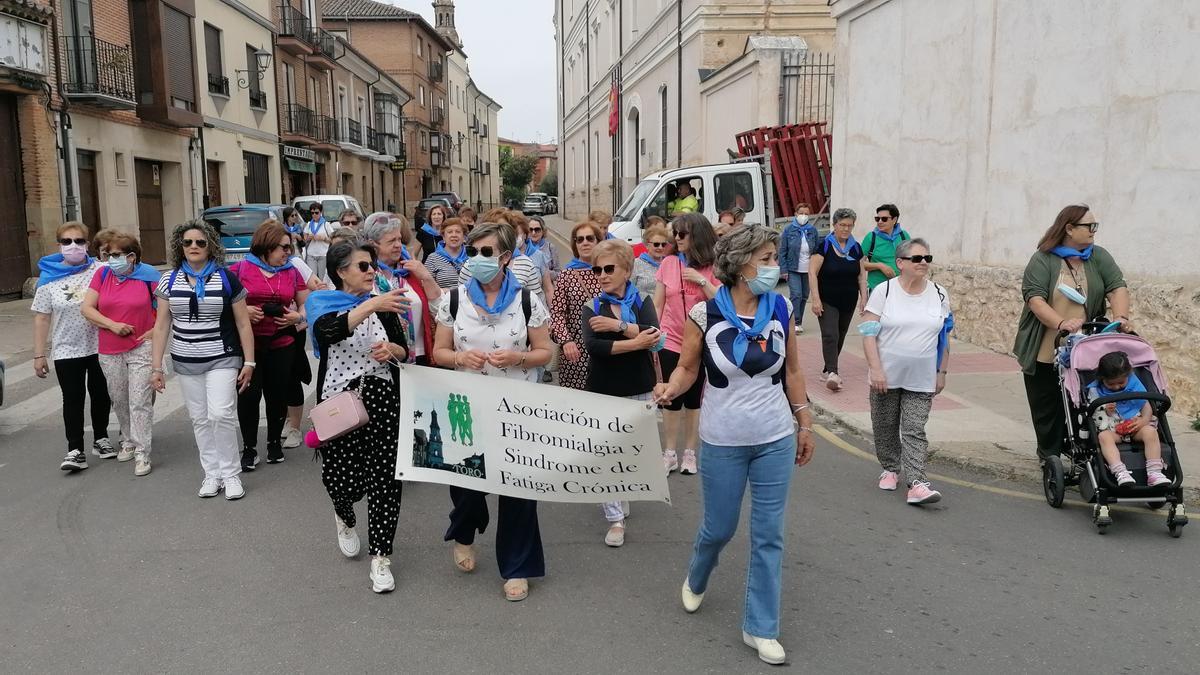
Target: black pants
<point x="301" y="371"/>
<point x="1046" y="408"/>
<point x="518" y="538"/>
<point x="835" y="323"/>
<point x="363" y="463"/>
<point x="273" y="379"/>
<point x="77" y="378"/>
<point x="693" y="397"/>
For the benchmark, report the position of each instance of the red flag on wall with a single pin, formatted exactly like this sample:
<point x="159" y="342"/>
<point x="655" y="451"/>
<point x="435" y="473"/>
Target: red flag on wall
<point x="614" y="110"/>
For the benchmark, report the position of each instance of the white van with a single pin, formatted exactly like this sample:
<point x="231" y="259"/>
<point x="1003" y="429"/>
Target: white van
<point x="331" y="206"/>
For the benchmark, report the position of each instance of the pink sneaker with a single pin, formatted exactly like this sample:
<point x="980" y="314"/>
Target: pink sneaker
<point x="670" y="460"/>
<point x="921" y="493"/>
<point x="687" y="467"/>
<point x="888" y="480"/>
<point x="1121" y="473"/>
<point x="1154" y="473"/>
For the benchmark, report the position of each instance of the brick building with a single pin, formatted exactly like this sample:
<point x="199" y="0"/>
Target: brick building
<point x="547" y="159"/>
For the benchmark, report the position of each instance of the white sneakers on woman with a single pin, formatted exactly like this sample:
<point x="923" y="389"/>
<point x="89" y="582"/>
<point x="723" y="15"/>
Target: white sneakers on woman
<point x="348" y="542"/>
<point x="691" y="601"/>
<point x="769" y="651"/>
<point x="381" y="576"/>
<point x="211" y="487"/>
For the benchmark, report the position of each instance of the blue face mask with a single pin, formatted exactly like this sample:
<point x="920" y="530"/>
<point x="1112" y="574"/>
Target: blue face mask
<point x="119" y="265"/>
<point x="483" y="268"/>
<point x="768" y="277"/>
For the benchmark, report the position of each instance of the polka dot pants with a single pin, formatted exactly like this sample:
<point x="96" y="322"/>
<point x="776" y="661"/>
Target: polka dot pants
<point x="363" y="463"/>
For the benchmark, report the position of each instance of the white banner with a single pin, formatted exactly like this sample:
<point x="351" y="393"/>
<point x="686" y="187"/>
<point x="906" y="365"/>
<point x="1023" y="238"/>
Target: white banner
<point x="534" y="441"/>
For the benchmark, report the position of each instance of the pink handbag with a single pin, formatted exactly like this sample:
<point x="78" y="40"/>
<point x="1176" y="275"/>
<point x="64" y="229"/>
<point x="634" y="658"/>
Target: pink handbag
<point x="338" y="415"/>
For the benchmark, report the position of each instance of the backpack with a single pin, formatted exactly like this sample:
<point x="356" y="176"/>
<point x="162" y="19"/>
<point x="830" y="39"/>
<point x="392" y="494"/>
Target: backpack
<point x="526" y="304"/>
<point x="904" y="236"/>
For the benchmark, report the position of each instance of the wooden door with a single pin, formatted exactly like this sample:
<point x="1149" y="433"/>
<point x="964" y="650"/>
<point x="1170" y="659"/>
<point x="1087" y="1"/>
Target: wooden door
<point x="89" y="190"/>
<point x="14" y="240"/>
<point x="214" y="184"/>
<point x="257" y="169"/>
<point x="150" y="210"/>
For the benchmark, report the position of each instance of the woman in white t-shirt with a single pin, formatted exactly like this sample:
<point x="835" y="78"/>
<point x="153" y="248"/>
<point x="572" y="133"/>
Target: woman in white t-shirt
<point x="905" y="331"/>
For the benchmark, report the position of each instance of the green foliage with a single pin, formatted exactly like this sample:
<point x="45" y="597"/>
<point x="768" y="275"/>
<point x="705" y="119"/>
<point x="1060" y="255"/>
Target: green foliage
<point x="515" y="174"/>
<point x="1196" y="421"/>
<point x="549" y="184"/>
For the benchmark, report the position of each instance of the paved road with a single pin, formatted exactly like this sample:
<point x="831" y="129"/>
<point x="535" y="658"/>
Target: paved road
<point x="105" y="572"/>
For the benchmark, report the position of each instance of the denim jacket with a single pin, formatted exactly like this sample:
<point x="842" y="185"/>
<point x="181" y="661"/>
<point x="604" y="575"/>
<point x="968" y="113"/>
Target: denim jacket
<point x="789" y="244"/>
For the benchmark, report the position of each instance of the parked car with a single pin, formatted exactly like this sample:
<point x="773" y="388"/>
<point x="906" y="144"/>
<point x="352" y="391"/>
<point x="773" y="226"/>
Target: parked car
<point x="552" y="205"/>
<point x="331" y="205"/>
<point x="236" y="225"/>
<point x="424" y="205"/>
<point x="451" y="198"/>
<point x="534" y="204"/>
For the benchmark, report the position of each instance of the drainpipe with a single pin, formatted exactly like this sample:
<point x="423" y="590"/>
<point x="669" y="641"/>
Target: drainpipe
<point x="204" y="200"/>
<point x="587" y="78"/>
<point x="678" y="83"/>
<point x="68" y="174"/>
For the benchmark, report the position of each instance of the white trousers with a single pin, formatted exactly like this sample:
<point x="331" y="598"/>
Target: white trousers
<point x="212" y="404"/>
<point x="128" y="377"/>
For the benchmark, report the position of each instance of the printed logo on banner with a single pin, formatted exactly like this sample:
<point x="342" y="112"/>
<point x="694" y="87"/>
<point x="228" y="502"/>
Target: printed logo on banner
<point x="429" y="448"/>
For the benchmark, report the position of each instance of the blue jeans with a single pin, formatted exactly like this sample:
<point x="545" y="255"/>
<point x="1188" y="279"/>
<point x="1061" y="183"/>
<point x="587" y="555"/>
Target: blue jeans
<point x="798" y="290"/>
<point x="724" y="473"/>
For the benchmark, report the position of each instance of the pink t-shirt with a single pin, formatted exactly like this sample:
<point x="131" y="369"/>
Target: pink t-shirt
<point x="680" y="296"/>
<point x="129" y="301"/>
<point x="280" y="289"/>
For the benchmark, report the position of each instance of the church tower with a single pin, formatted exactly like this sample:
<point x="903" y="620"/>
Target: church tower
<point x="443" y="12"/>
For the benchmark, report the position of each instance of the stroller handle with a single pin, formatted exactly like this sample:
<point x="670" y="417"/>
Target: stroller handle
<point x="1152" y="397"/>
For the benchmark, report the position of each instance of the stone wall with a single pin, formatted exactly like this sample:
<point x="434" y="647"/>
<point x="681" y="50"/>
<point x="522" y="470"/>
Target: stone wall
<point x="987" y="305"/>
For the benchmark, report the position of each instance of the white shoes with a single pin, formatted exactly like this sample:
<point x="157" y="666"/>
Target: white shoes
<point x="348" y="542"/>
<point x="833" y="382"/>
<point x="125" y="453"/>
<point x="670" y="461"/>
<point x="234" y="488"/>
<point x="291" y="436"/>
<point x="616" y="534"/>
<point x="769" y="651"/>
<point x="141" y="465"/>
<point x="209" y="488"/>
<point x="691" y="601"/>
<point x="381" y="576"/>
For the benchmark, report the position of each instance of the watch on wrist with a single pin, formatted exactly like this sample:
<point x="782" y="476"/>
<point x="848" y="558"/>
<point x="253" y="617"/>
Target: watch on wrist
<point x="623" y="326"/>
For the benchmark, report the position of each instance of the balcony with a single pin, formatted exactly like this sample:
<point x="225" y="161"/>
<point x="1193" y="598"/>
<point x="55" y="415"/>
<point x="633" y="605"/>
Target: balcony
<point x="98" y="72"/>
<point x="218" y="84"/>
<point x="299" y="125"/>
<point x="328" y="50"/>
<point x="436" y="70"/>
<point x="295" y="32"/>
<point x="437" y="117"/>
<point x="326" y="129"/>
<point x="475" y="124"/>
<point x="373" y="141"/>
<point x="353" y="132"/>
<point x="258" y="99"/>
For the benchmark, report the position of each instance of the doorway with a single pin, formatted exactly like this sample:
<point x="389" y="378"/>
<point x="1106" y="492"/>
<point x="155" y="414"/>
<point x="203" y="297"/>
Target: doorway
<point x="14" y="241"/>
<point x="89" y="190"/>
<point x="148" y="175"/>
<point x="258" y="178"/>
<point x="214" y="184"/>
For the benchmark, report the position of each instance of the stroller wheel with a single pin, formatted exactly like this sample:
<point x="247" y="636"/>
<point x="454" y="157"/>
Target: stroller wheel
<point x="1154" y="506"/>
<point x="1176" y="519"/>
<point x="1053" y="483"/>
<point x="1101" y="518"/>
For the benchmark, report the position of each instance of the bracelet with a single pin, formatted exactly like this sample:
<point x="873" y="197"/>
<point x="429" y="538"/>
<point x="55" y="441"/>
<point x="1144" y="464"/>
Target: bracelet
<point x="456" y="355"/>
<point x="1060" y="323"/>
<point x="249" y="363"/>
<point x="159" y="371"/>
<point x="523" y="355"/>
<point x="808" y="429"/>
<point x="42" y="356"/>
<point x="798" y="408"/>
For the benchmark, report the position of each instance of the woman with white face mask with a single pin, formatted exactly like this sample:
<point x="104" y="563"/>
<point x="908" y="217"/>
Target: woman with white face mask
<point x="796" y="246"/>
<point x="469" y="320"/>
<point x="62" y="284"/>
<point x="754" y="424"/>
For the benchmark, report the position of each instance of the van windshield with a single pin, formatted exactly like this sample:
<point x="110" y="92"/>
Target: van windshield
<point x="632" y="207"/>
<point x="235" y="223"/>
<point x="331" y="209"/>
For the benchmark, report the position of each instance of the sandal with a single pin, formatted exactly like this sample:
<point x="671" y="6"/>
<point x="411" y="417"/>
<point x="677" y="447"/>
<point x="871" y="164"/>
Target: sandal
<point x="516" y="590"/>
<point x="464" y="561"/>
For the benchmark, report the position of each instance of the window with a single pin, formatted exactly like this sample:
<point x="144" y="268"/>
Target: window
<point x="217" y="84"/>
<point x="120" y="162"/>
<point x="658" y="205"/>
<point x="421" y="48"/>
<point x="421" y="95"/>
<point x="662" y="132"/>
<point x="257" y="97"/>
<point x="257" y="177"/>
<point x="735" y="189"/>
<point x="314" y="102"/>
<point x="289" y="82"/>
<point x="177" y="33"/>
<point x="362" y="112"/>
<point x="596" y="156"/>
<point x="424" y="141"/>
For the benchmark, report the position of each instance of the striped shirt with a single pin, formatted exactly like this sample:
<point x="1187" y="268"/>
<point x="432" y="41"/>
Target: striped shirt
<point x="527" y="272"/>
<point x="444" y="271"/>
<point x="209" y="339"/>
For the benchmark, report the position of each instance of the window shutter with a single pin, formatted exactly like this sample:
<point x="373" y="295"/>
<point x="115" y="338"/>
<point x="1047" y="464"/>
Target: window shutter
<point x="212" y="50"/>
<point x="177" y="38"/>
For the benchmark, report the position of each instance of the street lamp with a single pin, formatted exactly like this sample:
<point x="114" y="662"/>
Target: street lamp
<point x="262" y="59"/>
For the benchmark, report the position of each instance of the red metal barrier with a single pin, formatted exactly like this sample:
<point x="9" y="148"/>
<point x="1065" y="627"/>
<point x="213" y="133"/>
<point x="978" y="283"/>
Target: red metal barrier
<point x="800" y="162"/>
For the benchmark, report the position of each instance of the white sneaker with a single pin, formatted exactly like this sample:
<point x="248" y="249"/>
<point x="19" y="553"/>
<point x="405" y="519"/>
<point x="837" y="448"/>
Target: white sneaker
<point x="670" y="460"/>
<point x="125" y="454"/>
<point x="616" y="535"/>
<point x="234" y="488"/>
<point x="291" y="436"/>
<point x="381" y="576"/>
<point x="141" y="465"/>
<point x="348" y="542"/>
<point x="769" y="651"/>
<point x="209" y="488"/>
<point x="691" y="601"/>
<point x="833" y="382"/>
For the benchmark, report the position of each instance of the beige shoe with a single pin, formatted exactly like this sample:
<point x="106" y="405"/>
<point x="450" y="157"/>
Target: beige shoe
<point x="616" y="535"/>
<point x="769" y="651"/>
<point x="691" y="601"/>
<point x="516" y="590"/>
<point x="141" y="465"/>
<point x="125" y="453"/>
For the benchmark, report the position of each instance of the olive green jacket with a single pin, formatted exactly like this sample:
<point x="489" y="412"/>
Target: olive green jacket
<point x="1041" y="277"/>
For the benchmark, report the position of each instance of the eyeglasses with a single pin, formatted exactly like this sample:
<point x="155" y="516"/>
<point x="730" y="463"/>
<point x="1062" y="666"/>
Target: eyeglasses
<point x="1092" y="227"/>
<point x="607" y="269"/>
<point x="681" y="234"/>
<point x="882" y="219"/>
<point x="198" y="243"/>
<point x="67" y="241"/>
<point x="585" y="237"/>
<point x="658" y="244"/>
<point x="486" y="251"/>
<point x="287" y="248"/>
<point x="918" y="258"/>
<point x="350" y="222"/>
<point x="534" y="229"/>
<point x="106" y="255"/>
<point x="363" y="266"/>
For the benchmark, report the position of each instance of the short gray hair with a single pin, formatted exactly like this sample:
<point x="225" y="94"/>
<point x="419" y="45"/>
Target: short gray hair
<point x="904" y="249"/>
<point x="380" y="224"/>
<point x="506" y="235"/>
<point x="842" y="214"/>
<point x="735" y="249"/>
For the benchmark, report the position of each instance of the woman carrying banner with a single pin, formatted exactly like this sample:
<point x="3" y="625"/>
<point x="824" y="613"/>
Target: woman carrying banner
<point x="620" y="330"/>
<point x="358" y="336"/>
<point x="744" y="337"/>
<point x="470" y="322"/>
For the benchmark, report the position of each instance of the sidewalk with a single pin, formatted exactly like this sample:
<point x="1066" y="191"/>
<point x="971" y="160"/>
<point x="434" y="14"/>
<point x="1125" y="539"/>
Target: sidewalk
<point x="981" y="421"/>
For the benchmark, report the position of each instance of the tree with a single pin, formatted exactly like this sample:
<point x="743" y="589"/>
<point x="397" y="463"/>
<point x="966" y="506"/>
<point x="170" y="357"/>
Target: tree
<point x="515" y="173"/>
<point x="549" y="183"/>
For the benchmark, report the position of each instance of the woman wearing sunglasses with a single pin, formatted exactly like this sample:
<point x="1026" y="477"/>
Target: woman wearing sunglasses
<point x="906" y="328"/>
<point x="576" y="286"/>
<point x="620" y="330"/>
<point x="684" y="281"/>
<point x="120" y="302"/>
<point x="202" y="311"/>
<point x="58" y="316"/>
<point x="1067" y="261"/>
<point x="547" y="251"/>
<point x="493" y="304"/>
<point x="275" y="290"/>
<point x="645" y="266"/>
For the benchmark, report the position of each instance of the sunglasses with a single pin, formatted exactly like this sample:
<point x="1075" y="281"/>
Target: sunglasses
<point x="199" y="243"/>
<point x="486" y="251"/>
<point x="67" y="241"/>
<point x="287" y="248"/>
<point x="681" y="234"/>
<point x="1092" y="227"/>
<point x="607" y="269"/>
<point x="585" y="237"/>
<point x="534" y="229"/>
<point x="363" y="266"/>
<point x="315" y="211"/>
<point x="349" y="222"/>
<point x="658" y="244"/>
<point x="918" y="258"/>
<point x="882" y="219"/>
<point x="107" y="255"/>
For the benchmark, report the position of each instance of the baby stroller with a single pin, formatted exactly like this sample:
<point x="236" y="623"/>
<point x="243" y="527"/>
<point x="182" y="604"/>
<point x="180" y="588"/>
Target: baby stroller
<point x="1082" y="464"/>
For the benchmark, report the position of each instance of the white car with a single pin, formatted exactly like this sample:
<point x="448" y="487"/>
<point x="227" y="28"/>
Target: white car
<point x="331" y="206"/>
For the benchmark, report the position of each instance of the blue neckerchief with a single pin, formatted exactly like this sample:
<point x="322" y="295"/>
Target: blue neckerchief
<point x="292" y="229"/>
<point x="577" y="264"/>
<point x="1065" y="252"/>
<point x="320" y="303"/>
<point x="508" y="291"/>
<point x="457" y="260"/>
<point x="528" y="249"/>
<point x="850" y="244"/>
<point x="649" y="260"/>
<point x="944" y="338"/>
<point x="53" y="268"/>
<point x="762" y="316"/>
<point x="630" y="305"/>
<point x="257" y="262"/>
<point x="315" y="226"/>
<point x="428" y="229"/>
<point x="200" y="276"/>
<point x="140" y="271"/>
<point x="803" y="229"/>
<point x="896" y="232"/>
<point x="608" y="235"/>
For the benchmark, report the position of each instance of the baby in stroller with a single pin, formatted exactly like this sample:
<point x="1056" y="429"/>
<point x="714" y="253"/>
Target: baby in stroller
<point x="1132" y="420"/>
